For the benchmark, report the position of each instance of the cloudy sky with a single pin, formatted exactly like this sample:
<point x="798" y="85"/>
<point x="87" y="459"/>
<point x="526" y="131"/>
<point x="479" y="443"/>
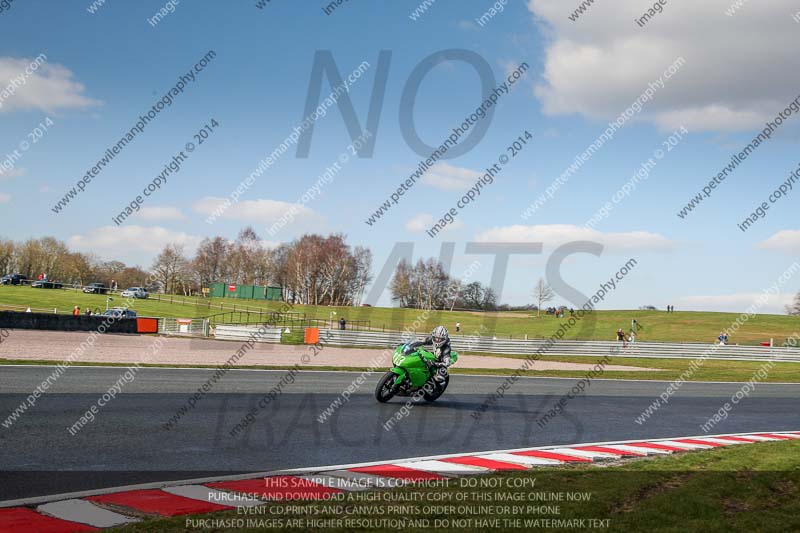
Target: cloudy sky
<point x="104" y="69"/>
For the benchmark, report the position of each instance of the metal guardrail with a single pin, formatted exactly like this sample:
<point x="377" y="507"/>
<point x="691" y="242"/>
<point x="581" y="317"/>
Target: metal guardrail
<point x="654" y="350"/>
<point x="243" y="333"/>
<point x="183" y="326"/>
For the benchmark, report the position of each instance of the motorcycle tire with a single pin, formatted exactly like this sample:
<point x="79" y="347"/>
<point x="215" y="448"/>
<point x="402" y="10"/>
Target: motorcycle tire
<point x="437" y="391"/>
<point x="385" y="390"/>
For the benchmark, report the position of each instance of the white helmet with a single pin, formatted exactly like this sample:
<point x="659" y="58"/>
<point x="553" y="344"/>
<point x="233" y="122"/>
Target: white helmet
<point x="440" y="336"/>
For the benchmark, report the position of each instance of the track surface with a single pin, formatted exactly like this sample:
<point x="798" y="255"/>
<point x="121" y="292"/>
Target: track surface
<point x="127" y="443"/>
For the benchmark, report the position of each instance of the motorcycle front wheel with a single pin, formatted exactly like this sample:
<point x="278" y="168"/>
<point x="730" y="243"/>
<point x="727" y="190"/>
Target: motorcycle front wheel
<point x="385" y="389"/>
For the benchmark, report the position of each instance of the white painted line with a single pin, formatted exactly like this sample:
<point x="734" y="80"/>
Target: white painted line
<point x="634" y="449"/>
<point x="122" y="365"/>
<point x="85" y="512"/>
<point x="725" y="441"/>
<point x="524" y="460"/>
<point x="684" y="445"/>
<point x="205" y="494"/>
<point x="444" y="468"/>
<point x="583" y="453"/>
<point x="759" y="438"/>
<point x="790" y="435"/>
<point x="332" y="482"/>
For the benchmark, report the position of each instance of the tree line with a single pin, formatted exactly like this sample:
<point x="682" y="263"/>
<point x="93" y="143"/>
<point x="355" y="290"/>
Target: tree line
<point x="313" y="269"/>
<point x="426" y="285"/>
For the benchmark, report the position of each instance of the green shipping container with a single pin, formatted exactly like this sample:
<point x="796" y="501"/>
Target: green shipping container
<point x="245" y="292"/>
<point x="217" y="290"/>
<point x="274" y="294"/>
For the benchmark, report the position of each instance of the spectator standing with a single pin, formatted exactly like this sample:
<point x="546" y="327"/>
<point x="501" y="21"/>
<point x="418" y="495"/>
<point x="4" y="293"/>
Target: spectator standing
<point x="88" y="312"/>
<point x="620" y="335"/>
<point x="723" y="338"/>
<point x="632" y="338"/>
<point x="342" y="323"/>
<point x="458" y="327"/>
<point x="76" y="311"/>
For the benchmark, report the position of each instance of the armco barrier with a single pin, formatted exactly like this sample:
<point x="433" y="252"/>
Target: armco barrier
<point x="53" y="322"/>
<point x="242" y="333"/>
<point x="655" y="350"/>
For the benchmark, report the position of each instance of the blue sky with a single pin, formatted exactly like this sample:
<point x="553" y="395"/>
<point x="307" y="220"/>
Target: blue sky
<point x="105" y="69"/>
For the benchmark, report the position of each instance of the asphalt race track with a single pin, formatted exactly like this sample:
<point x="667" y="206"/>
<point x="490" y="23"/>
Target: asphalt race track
<point x="127" y="442"/>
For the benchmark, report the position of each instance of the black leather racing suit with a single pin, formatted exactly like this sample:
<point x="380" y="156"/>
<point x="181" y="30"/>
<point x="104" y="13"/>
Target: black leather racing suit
<point x="442" y="354"/>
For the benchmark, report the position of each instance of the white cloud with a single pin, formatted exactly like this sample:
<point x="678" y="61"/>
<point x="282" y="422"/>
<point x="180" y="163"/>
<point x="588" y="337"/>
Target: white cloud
<point x="787" y="240"/>
<point x="450" y="178"/>
<point x="156" y="213"/>
<point x="4" y="198"/>
<point x="735" y="303"/>
<point x="131" y="243"/>
<point x="13" y="173"/>
<point x="48" y="88"/>
<point x="264" y="213"/>
<point x="424" y="221"/>
<point x="551" y="235"/>
<point x="597" y="65"/>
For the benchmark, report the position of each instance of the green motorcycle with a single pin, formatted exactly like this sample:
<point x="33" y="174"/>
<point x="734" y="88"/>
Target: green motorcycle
<point x="412" y="373"/>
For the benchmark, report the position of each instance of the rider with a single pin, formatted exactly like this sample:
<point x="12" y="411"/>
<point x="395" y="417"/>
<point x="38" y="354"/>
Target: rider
<point x="440" y="340"/>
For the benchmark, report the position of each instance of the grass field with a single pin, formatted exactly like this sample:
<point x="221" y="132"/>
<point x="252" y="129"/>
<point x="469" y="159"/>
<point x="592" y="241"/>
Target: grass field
<point x="754" y="487"/>
<point x="656" y="325"/>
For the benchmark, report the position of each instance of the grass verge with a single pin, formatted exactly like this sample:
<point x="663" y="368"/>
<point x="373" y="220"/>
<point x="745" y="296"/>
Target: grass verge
<point x="657" y="326"/>
<point x="668" y="369"/>
<point x="752" y="487"/>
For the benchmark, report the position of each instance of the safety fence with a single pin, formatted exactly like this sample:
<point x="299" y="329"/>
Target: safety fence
<point x="183" y="326"/>
<point x="242" y="333"/>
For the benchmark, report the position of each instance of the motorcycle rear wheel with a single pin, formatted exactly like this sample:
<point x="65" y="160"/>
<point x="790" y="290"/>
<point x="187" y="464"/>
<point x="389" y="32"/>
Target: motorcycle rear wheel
<point x="438" y="390"/>
<point x="385" y="390"/>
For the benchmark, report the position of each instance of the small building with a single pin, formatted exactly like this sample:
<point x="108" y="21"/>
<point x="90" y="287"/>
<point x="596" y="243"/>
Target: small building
<point x="245" y="292"/>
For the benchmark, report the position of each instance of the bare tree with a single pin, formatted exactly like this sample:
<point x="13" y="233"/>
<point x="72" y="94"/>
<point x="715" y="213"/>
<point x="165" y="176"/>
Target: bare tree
<point x="171" y="268"/>
<point x="542" y="293"/>
<point x="401" y="284"/>
<point x="794" y="307"/>
<point x="209" y="264"/>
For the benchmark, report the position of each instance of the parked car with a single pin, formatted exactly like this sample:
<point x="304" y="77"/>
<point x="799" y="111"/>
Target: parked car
<point x="135" y="292"/>
<point x="41" y="284"/>
<point x="95" y="288"/>
<point x="12" y="279"/>
<point x="120" y="312"/>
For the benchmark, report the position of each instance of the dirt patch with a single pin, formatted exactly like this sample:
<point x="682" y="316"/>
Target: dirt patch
<point x="651" y="491"/>
<point x="58" y="345"/>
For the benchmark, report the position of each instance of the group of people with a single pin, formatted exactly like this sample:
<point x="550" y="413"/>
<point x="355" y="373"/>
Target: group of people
<point x="76" y="311"/>
<point x="670" y="309"/>
<point x="625" y="339"/>
<point x="558" y="312"/>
